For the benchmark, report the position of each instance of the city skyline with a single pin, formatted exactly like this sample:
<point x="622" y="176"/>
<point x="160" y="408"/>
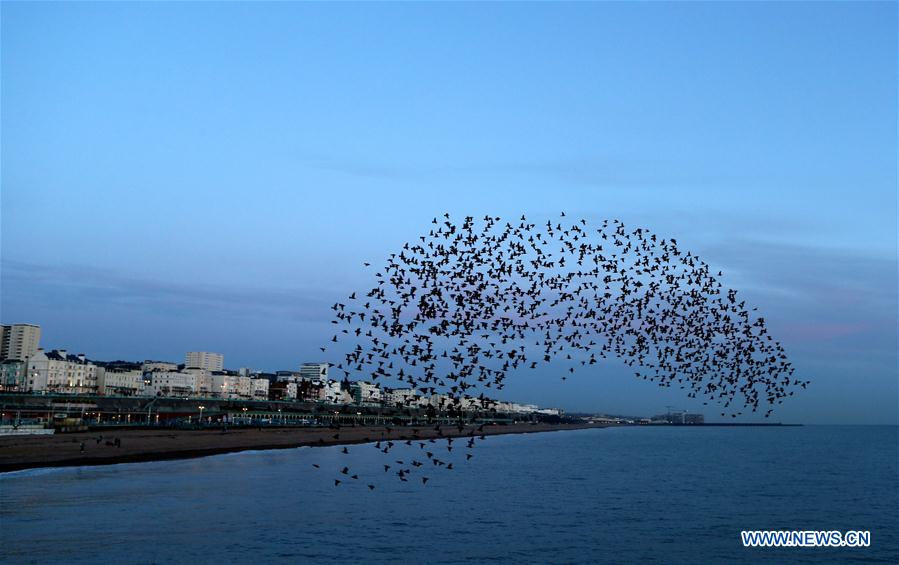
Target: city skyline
<point x="169" y="183"/>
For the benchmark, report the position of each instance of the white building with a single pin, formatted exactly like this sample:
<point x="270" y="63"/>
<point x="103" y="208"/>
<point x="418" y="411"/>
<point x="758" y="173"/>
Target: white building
<point x="59" y="372"/>
<point x="438" y="401"/>
<point x="226" y="386"/>
<point x="333" y="393"/>
<point x="203" y="385"/>
<point x="260" y="389"/>
<point x="470" y="404"/>
<point x="170" y="383"/>
<point x="149" y="366"/>
<point x="366" y="393"/>
<point x="19" y="341"/>
<point x="400" y="397"/>
<point x="314" y="371"/>
<point x="244" y="387"/>
<point x="119" y="383"/>
<point x="204" y="360"/>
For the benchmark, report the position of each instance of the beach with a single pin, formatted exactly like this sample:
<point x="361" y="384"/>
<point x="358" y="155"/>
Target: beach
<point x="136" y="445"/>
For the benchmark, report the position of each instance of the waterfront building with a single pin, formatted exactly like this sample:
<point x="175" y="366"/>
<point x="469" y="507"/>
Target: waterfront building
<point x="283" y="390"/>
<point x="314" y="371"/>
<point x="13" y="374"/>
<point x="205" y="360"/>
<point x="61" y="373"/>
<point x="365" y="393"/>
<point x="334" y="393"/>
<point x="150" y="366"/>
<point x="172" y="383"/>
<point x="244" y="387"/>
<point x="203" y="383"/>
<point x="400" y="397"/>
<point x="225" y="385"/>
<point x="259" y="389"/>
<point x="312" y="391"/>
<point x="111" y="382"/>
<point x="288" y="376"/>
<point x="470" y="404"/>
<point x="19" y="341"/>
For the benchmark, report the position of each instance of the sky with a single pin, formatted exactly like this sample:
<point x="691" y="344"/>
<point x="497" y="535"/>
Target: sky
<point x="202" y="176"/>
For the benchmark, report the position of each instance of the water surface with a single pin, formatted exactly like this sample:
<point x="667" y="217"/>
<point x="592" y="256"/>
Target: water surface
<point x="620" y="495"/>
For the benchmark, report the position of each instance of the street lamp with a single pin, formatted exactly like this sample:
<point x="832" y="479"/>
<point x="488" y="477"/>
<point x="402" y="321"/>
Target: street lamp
<point x="201" y="407"/>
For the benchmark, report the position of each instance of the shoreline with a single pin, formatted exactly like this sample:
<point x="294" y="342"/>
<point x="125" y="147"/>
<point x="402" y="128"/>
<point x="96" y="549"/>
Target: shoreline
<point x="18" y="453"/>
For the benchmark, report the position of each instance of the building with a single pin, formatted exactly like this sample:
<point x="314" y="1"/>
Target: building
<point x="12" y="374"/>
<point x="203" y="384"/>
<point x="204" y="360"/>
<point x="314" y="371"/>
<point x="172" y="383"/>
<point x="402" y="397"/>
<point x="282" y="390"/>
<point x="19" y="341"/>
<point x="119" y="383"/>
<point x="60" y="373"/>
<point x="288" y="376"/>
<point x="333" y="393"/>
<point x="244" y="387"/>
<point x="150" y="366"/>
<point x="259" y="389"/>
<point x="225" y="385"/>
<point x="365" y="393"/>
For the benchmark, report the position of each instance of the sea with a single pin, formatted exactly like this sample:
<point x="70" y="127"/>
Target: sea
<point x="612" y="495"/>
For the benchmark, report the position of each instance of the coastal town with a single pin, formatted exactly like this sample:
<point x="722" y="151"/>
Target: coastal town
<point x="62" y="408"/>
<point x="26" y="367"/>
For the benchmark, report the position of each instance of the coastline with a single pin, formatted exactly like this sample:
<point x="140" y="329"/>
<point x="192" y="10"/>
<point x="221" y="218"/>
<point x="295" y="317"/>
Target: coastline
<point x="18" y="453"/>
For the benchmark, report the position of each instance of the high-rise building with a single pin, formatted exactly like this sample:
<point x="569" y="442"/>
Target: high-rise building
<point x="19" y="341"/>
<point x="204" y="360"/>
<point x="314" y="371"/>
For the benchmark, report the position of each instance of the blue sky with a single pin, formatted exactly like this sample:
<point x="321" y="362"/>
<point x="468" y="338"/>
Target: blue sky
<point x="211" y="176"/>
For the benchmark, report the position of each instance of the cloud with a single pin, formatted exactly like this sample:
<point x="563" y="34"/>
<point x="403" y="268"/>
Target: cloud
<point x="66" y="285"/>
<point x="832" y="309"/>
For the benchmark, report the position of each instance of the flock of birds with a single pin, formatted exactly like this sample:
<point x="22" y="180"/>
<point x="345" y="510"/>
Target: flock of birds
<point x="426" y="458"/>
<point x="457" y="310"/>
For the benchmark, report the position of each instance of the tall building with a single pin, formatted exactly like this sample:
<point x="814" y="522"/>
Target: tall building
<point x="314" y="371"/>
<point x="19" y="341"/>
<point x="204" y="360"/>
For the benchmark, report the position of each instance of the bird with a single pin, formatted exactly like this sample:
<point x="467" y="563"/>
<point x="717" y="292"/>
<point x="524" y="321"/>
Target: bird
<point x="465" y="305"/>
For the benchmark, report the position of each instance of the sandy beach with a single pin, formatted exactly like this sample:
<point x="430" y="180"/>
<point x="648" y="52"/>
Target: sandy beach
<point x="62" y="450"/>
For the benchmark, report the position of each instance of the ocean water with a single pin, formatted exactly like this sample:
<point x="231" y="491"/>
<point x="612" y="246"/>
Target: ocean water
<point x="615" y="495"/>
